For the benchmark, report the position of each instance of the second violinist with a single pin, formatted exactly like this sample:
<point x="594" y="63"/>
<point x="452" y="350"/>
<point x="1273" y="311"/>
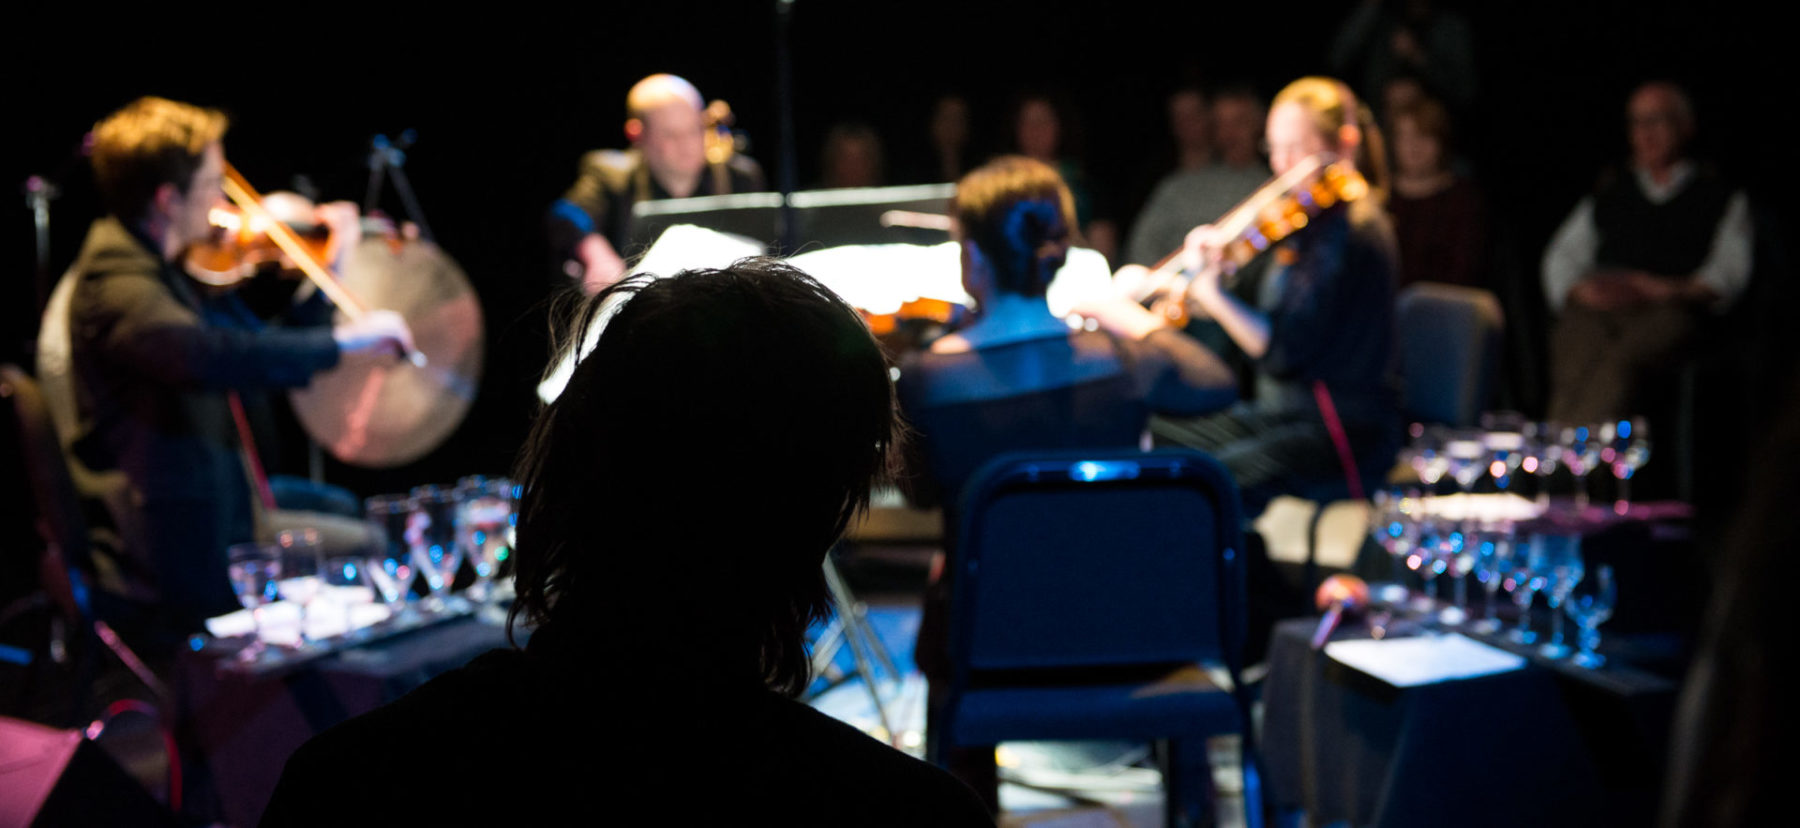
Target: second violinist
<point x="1319" y="331"/>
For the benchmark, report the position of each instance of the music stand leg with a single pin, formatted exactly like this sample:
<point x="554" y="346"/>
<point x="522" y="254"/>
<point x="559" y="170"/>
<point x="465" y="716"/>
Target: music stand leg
<point x="864" y="644"/>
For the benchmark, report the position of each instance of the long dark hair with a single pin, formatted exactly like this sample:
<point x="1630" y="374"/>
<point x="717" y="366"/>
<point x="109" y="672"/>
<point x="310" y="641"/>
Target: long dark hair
<point x="704" y="457"/>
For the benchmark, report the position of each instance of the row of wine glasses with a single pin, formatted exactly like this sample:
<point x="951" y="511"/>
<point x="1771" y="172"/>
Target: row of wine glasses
<point x="431" y="531"/>
<point x="1431" y="537"/>
<point x="292" y="568"/>
<point x="1507" y="443"/>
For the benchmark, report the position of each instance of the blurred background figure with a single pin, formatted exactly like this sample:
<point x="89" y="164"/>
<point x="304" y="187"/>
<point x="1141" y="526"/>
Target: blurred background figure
<point x="1044" y="129"/>
<point x="852" y="157"/>
<point x="1384" y="39"/>
<point x="1440" y="215"/>
<point x="1231" y="168"/>
<point x="1663" y="243"/>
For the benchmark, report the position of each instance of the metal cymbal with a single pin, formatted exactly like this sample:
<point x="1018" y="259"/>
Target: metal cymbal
<point x="390" y="414"/>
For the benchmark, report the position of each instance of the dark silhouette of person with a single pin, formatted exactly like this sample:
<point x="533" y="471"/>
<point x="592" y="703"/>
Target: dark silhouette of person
<point x="679" y="497"/>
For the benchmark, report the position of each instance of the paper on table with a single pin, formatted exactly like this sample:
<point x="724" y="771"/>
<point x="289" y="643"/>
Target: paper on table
<point x="335" y="611"/>
<point x="1411" y="662"/>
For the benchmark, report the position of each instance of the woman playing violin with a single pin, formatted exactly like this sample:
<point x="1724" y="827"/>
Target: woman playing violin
<point x="1018" y="378"/>
<point x="1320" y="333"/>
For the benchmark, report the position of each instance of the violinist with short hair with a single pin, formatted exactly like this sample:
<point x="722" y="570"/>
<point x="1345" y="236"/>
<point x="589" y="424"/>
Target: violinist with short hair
<point x="154" y="372"/>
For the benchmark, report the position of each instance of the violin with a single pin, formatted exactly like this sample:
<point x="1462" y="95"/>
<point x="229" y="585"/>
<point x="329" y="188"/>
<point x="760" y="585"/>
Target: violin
<point x="241" y="246"/>
<point x="1279" y="208"/>
<point x="924" y="309"/>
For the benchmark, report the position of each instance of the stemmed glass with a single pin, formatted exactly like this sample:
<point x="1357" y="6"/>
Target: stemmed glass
<point x="1590" y="604"/>
<point x="1506" y="451"/>
<point x="1581" y="453"/>
<point x="1543" y="454"/>
<point x="255" y="571"/>
<point x="1524" y="580"/>
<point x="300" y="577"/>
<point x="1427" y="457"/>
<point x="390" y="569"/>
<point x="348" y="578"/>
<point x="1558" y="559"/>
<point x="484" y="519"/>
<point x="1493" y="554"/>
<point x="1627" y="450"/>
<point x="1394" y="525"/>
<point x="1431" y="555"/>
<point x="432" y="534"/>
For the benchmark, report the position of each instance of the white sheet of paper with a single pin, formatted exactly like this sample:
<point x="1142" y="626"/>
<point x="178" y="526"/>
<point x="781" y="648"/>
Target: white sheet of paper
<point x="1426" y="659"/>
<point x="878" y="278"/>
<point x="335" y="611"/>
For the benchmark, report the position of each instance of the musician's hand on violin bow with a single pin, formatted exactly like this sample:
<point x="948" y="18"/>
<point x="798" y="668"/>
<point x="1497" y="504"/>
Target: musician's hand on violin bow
<point x="376" y="335"/>
<point x="1202" y="256"/>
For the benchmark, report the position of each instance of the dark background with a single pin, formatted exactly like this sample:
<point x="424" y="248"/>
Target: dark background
<point x="504" y="107"/>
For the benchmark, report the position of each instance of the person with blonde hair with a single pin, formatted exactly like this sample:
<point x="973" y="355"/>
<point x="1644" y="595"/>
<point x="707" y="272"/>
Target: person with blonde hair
<point x="1320" y="334"/>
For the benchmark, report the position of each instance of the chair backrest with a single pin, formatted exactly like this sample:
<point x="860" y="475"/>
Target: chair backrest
<point x="1084" y="560"/>
<point x="1449" y="338"/>
<point x="60" y="522"/>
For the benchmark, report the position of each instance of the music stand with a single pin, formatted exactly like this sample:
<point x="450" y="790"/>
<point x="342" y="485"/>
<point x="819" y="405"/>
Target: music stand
<point x="913" y="214"/>
<point x="850" y="625"/>
<point x="751" y="215"/>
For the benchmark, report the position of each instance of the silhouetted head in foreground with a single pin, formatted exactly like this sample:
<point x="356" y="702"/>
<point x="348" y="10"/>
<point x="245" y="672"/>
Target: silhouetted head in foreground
<point x="681" y="493"/>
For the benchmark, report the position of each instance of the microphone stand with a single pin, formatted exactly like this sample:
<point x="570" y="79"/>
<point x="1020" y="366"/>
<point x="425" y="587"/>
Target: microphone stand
<point x="389" y="158"/>
<point x="784" y="96"/>
<point x="38" y="193"/>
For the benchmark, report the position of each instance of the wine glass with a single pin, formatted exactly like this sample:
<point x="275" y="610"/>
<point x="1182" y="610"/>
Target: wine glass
<point x="1523" y="580"/>
<point x="1430" y="556"/>
<point x="1581" y="453"/>
<point x="391" y="569"/>
<point x="1427" y="454"/>
<point x="484" y="519"/>
<point x="1506" y="452"/>
<point x="431" y="531"/>
<point x="255" y="571"/>
<point x="1628" y="449"/>
<point x="1543" y="454"/>
<point x="1558" y="559"/>
<point x="1393" y="524"/>
<point x="1591" y="604"/>
<point x="347" y="577"/>
<point x="1493" y="554"/>
<point x="300" y="576"/>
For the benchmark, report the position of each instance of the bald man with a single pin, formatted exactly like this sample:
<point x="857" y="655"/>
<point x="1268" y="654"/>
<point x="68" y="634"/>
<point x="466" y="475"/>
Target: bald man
<point x="590" y="225"/>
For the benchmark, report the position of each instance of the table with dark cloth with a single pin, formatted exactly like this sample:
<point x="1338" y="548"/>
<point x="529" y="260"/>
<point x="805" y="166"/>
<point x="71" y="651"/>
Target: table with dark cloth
<point x="1550" y="744"/>
<point x="238" y="728"/>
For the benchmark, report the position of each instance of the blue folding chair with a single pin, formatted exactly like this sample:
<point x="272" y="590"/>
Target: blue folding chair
<point x="1097" y="595"/>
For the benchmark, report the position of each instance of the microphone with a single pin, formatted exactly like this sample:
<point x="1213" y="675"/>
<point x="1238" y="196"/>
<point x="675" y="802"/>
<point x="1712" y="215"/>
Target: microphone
<point x="1337" y="595"/>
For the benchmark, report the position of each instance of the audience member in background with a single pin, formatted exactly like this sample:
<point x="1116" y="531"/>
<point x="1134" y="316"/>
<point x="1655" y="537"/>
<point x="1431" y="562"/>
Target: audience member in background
<point x="1017" y="378"/>
<point x="1233" y="169"/>
<point x="671" y="582"/>
<point x="852" y="157"/>
<point x="670" y="157"/>
<point x="1322" y="327"/>
<point x="1043" y="130"/>
<point x="1661" y="243"/>
<point x="1440" y="217"/>
<point x="950" y="136"/>
<point x="1382" y="39"/>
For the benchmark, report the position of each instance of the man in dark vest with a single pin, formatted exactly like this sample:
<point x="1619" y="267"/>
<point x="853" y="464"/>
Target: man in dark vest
<point x="670" y="157"/>
<point x="1640" y="262"/>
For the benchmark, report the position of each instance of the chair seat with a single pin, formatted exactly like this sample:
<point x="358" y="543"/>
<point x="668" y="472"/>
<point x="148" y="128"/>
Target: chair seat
<point x="1182" y="703"/>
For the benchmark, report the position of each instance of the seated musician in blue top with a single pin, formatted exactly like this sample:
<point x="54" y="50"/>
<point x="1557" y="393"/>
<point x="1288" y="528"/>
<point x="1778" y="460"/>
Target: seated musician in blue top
<point x="1018" y="378"/>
